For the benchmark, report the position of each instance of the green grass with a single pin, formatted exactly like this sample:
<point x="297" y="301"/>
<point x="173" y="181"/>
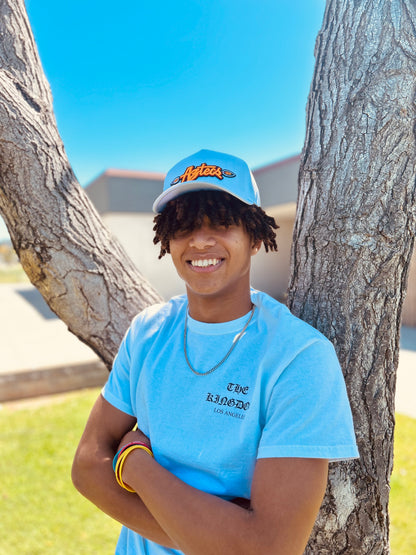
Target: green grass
<point x="403" y="489"/>
<point x="42" y="514"/>
<point x="13" y="274"/>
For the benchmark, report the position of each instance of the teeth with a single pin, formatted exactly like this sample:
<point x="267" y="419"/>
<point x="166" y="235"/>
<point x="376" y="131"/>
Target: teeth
<point x="205" y="263"/>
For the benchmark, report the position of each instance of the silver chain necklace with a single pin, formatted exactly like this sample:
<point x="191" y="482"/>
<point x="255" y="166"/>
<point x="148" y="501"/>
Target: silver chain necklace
<point x="236" y="340"/>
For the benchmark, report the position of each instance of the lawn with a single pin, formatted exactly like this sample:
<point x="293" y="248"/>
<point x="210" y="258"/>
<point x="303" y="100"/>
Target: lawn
<point x="403" y="489"/>
<point x="41" y="513"/>
<point x="12" y="273"/>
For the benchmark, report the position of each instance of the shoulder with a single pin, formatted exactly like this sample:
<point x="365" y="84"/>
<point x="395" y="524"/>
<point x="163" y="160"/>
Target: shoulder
<point x="277" y="319"/>
<point x="151" y="323"/>
<point x="159" y="315"/>
<point x="288" y="341"/>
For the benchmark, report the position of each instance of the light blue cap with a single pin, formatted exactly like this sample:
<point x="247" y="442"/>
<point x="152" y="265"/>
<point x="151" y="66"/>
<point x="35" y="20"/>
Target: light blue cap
<point x="207" y="169"/>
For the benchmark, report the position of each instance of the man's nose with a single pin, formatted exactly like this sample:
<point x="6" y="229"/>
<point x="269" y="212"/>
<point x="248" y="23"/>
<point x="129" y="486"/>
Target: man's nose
<point x="202" y="238"/>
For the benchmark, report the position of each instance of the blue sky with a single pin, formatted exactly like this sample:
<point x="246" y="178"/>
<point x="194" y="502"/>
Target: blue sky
<point x="140" y="85"/>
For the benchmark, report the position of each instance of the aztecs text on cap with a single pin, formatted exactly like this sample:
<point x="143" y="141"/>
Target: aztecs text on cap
<point x="192" y="173"/>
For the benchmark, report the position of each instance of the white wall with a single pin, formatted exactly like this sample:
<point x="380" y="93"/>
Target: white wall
<point x="270" y="271"/>
<point x="135" y="232"/>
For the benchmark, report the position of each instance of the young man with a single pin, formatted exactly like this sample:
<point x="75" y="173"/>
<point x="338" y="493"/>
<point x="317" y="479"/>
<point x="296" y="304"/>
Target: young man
<point x="239" y="404"/>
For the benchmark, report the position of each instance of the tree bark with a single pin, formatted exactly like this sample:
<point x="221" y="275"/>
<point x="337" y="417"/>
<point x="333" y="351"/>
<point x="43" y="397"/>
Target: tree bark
<point x="353" y="241"/>
<point x="81" y="271"/>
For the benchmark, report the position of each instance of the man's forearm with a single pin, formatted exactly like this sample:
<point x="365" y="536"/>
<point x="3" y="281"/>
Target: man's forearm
<point x="95" y="480"/>
<point x="199" y="523"/>
<point x="286" y="495"/>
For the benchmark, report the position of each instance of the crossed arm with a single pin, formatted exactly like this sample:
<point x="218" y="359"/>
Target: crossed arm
<point x="285" y="497"/>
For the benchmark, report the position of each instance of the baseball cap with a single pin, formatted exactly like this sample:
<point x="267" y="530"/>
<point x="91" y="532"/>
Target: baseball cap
<point x="208" y="169"/>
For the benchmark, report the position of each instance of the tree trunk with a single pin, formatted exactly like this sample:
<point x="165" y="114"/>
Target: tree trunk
<point x="81" y="271"/>
<point x="353" y="241"/>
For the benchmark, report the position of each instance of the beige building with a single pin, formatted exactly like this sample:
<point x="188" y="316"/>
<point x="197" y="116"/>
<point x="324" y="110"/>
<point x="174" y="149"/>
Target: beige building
<point x="124" y="200"/>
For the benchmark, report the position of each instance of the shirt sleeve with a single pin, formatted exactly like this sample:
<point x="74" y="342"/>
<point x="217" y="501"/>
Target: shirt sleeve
<point x="117" y="390"/>
<point x="308" y="413"/>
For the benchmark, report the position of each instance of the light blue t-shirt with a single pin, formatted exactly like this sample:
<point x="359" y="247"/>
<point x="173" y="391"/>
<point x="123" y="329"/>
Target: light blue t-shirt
<point x="281" y="393"/>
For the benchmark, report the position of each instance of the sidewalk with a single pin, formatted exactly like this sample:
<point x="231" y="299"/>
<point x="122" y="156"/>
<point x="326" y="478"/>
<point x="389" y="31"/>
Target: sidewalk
<point x="39" y="356"/>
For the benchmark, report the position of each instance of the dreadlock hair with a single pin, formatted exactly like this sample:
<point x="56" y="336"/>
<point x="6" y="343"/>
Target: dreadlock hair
<point x="187" y="212"/>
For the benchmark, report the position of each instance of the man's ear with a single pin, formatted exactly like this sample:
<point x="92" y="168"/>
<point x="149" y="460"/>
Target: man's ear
<point x="255" y="248"/>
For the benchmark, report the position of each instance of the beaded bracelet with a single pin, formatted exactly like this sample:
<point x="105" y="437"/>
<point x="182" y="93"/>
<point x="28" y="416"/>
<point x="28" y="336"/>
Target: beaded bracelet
<point x="121" y="457"/>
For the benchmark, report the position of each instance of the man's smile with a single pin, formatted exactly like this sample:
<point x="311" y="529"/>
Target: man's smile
<point x="205" y="263"/>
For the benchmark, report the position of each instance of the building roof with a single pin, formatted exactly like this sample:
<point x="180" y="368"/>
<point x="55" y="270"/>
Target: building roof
<point x="134" y="191"/>
<point x="125" y="191"/>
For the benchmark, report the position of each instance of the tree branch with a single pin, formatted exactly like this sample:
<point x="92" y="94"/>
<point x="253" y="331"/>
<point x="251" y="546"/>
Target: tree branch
<point x="80" y="269"/>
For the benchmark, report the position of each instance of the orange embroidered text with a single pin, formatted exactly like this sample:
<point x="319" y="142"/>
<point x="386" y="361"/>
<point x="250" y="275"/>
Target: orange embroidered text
<point x="195" y="172"/>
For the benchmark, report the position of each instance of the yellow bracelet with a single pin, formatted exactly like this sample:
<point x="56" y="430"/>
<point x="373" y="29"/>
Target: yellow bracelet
<point x="120" y="463"/>
<point x="125" y="451"/>
<point x="119" y="469"/>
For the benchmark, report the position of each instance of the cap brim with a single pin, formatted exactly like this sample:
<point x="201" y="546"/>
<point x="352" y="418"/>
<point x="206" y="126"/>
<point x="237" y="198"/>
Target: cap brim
<point x="181" y="188"/>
